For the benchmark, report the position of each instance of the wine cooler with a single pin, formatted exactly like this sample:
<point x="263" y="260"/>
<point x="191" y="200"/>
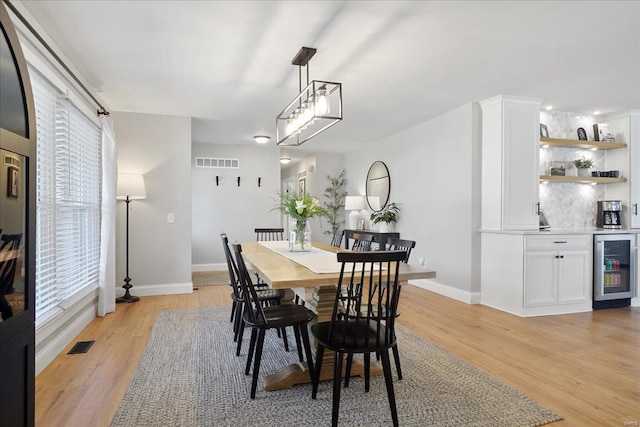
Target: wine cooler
<point x="613" y="270"/>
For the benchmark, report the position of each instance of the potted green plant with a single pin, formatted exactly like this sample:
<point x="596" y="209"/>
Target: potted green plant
<point x="583" y="165"/>
<point x="334" y="204"/>
<point x="386" y="216"/>
<point x="300" y="208"/>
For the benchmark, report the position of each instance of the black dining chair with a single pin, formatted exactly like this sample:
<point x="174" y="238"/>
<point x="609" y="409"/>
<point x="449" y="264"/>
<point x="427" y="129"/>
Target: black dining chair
<point x="362" y="320"/>
<point x="397" y="244"/>
<point x="269" y="234"/>
<point x="261" y="318"/>
<point x="9" y="247"/>
<point x="265" y="295"/>
<point x="336" y="238"/>
<point x="362" y="241"/>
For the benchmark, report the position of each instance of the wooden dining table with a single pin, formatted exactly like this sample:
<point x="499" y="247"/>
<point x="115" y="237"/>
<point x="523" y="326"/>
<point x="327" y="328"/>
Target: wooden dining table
<point x="280" y="272"/>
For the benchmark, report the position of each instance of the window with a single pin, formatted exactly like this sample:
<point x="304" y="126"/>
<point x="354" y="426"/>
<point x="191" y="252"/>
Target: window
<point x="68" y="197"/>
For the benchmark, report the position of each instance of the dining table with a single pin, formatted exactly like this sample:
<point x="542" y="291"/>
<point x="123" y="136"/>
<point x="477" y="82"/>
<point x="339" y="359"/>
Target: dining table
<point x="319" y="271"/>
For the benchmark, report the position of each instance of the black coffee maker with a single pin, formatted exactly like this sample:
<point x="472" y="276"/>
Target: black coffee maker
<point x="609" y="214"/>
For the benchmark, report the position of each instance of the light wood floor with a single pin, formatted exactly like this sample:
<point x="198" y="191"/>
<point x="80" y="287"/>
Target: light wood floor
<point x="583" y="366"/>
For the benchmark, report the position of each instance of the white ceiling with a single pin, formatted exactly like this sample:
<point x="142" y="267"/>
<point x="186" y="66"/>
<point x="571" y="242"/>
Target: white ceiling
<point x="228" y="63"/>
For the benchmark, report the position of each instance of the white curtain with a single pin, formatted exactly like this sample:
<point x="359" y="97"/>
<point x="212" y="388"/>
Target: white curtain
<point x="107" y="289"/>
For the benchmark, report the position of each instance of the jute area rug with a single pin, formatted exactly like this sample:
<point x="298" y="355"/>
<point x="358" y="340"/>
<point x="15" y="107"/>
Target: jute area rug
<point x="189" y="376"/>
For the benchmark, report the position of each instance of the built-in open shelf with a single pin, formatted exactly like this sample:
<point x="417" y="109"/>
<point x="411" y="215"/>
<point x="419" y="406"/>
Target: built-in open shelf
<point x="585" y="145"/>
<point x="581" y="179"/>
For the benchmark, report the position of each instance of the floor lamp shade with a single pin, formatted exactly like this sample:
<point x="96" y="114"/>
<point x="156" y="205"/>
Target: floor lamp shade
<point x="130" y="187"/>
<point x="354" y="204"/>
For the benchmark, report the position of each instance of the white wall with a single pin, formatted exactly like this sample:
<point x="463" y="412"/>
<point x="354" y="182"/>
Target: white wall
<point x="228" y="208"/>
<point x="435" y="178"/>
<point x="159" y="147"/>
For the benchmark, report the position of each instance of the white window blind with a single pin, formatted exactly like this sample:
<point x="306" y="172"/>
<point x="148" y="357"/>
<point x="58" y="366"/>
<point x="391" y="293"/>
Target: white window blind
<point x="68" y="197"/>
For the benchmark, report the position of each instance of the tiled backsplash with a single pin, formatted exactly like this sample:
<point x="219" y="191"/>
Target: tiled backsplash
<point x="568" y="205"/>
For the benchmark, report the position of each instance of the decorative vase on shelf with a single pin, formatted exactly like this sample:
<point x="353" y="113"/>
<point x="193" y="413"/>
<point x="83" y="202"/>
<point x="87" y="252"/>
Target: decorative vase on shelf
<point x="583" y="172"/>
<point x="383" y="227"/>
<point x="299" y="235"/>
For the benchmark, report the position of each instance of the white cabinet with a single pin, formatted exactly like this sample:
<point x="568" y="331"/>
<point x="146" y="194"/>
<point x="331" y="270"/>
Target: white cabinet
<point x="510" y="135"/>
<point x="535" y="274"/>
<point x="557" y="270"/>
<point x="627" y="129"/>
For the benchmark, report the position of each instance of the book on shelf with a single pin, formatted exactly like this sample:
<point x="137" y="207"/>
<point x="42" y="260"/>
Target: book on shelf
<point x="602" y="132"/>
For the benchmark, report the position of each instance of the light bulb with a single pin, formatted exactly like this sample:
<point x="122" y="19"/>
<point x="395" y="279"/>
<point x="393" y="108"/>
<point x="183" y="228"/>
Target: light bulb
<point x="322" y="102"/>
<point x="307" y="114"/>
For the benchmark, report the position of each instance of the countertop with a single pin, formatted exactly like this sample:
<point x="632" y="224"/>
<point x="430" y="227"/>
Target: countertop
<point x="552" y="230"/>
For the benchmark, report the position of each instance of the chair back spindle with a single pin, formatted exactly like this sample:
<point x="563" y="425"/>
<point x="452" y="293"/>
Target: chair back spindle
<point x="254" y="310"/>
<point x="397" y="244"/>
<point x="269" y="234"/>
<point x="362" y="241"/>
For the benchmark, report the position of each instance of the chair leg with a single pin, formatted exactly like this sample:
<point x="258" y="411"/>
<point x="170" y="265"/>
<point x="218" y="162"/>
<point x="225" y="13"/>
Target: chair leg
<point x="307" y="350"/>
<point x="337" y="373"/>
<point x="386" y="367"/>
<point x="367" y="371"/>
<point x="252" y="346"/>
<point x="240" y="334"/>
<point x="256" y="364"/>
<point x="284" y="338"/>
<point x="233" y="311"/>
<point x="316" y="371"/>
<point x="296" y="332"/>
<point x="238" y="319"/>
<point x="396" y="357"/>
<point x="347" y="371"/>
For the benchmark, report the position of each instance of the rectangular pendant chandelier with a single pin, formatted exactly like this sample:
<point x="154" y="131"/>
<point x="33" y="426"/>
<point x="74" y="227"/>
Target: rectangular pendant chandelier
<point x="317" y="107"/>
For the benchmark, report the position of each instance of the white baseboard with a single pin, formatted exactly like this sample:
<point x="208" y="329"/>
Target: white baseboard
<point x="209" y="267"/>
<point x="635" y="302"/>
<point x="162" y="289"/>
<point x="447" y="291"/>
<point x="58" y="342"/>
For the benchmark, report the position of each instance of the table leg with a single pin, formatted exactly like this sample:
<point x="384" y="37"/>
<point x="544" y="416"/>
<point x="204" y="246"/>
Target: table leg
<point x="322" y="305"/>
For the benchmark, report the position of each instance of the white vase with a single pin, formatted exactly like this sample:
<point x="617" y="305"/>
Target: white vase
<point x="299" y="235"/>
<point x="383" y="227"/>
<point x="583" y="172"/>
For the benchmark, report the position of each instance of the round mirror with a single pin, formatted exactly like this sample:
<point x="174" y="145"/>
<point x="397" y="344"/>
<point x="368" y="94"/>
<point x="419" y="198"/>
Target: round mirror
<point x="378" y="186"/>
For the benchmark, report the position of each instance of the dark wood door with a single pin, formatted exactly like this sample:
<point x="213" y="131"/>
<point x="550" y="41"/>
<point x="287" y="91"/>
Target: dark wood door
<point x="17" y="222"/>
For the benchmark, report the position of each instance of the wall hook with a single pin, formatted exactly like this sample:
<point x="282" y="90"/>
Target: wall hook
<point x="238" y="181"/>
<point x="217" y="180"/>
<point x="259" y="179"/>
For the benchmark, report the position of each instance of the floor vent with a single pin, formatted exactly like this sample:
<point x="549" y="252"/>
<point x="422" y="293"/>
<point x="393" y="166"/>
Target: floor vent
<point x="81" y="347"/>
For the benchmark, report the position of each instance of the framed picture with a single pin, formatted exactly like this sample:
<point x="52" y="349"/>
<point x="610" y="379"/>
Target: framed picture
<point x="13" y="178"/>
<point x="582" y="134"/>
<point x="302" y="185"/>
<point x="544" y="132"/>
<point x="360" y="225"/>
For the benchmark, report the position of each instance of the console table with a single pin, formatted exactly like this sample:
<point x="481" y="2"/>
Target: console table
<point x="379" y="238"/>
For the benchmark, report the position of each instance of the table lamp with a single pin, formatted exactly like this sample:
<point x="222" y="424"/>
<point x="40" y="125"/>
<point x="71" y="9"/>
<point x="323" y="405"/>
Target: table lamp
<point x="130" y="187"/>
<point x="354" y="204"/>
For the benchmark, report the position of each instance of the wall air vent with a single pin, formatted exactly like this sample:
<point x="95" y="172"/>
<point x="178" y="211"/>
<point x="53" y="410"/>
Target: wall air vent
<point x="217" y="163"/>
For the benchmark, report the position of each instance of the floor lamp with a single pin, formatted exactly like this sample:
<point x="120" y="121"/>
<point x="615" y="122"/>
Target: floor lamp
<point x="130" y="187"/>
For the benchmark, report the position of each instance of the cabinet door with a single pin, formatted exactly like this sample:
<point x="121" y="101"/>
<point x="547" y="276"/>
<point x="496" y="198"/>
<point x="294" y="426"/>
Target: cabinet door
<point x="540" y="278"/>
<point x="574" y="278"/>
<point x="521" y="150"/>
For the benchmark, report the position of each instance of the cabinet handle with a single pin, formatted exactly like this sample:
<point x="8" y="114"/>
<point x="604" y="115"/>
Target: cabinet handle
<point x="538" y="208"/>
<point x="560" y="241"/>
<point x="635" y="209"/>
